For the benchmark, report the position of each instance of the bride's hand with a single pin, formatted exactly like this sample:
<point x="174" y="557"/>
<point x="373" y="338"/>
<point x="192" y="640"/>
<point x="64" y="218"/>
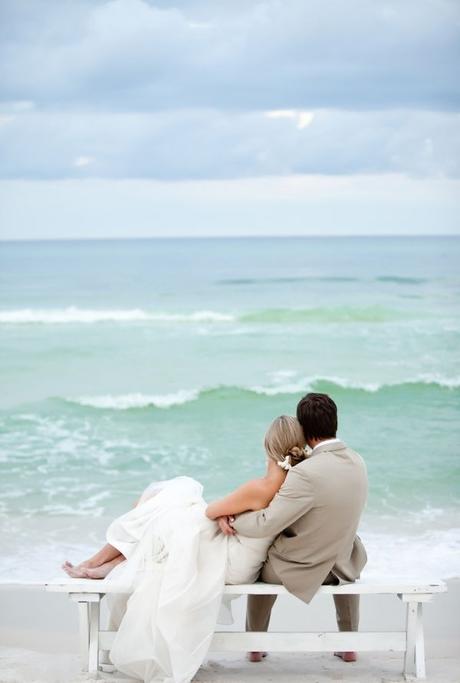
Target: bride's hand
<point x="225" y="525"/>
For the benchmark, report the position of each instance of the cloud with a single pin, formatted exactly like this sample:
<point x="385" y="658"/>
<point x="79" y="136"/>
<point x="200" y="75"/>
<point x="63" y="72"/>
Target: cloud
<point x="226" y="95"/>
<point x="198" y="144"/>
<point x="17" y="106"/>
<point x="82" y="161"/>
<point x="254" y="55"/>
<point x="302" y="118"/>
<point x="201" y="89"/>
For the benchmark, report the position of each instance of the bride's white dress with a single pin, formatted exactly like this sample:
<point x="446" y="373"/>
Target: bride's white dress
<point x="177" y="562"/>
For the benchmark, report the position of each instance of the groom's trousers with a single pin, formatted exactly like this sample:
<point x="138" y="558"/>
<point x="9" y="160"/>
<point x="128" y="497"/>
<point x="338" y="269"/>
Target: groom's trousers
<point x="260" y="606"/>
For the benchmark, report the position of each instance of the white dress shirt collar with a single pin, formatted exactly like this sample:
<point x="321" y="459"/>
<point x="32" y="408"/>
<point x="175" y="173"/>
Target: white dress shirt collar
<point x="323" y="443"/>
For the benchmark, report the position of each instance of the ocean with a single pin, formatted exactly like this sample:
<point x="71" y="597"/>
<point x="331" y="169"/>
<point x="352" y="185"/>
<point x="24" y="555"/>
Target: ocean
<point x="128" y="361"/>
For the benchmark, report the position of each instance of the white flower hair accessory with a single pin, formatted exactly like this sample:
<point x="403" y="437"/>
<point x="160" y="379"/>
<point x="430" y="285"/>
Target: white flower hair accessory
<point x="286" y="463"/>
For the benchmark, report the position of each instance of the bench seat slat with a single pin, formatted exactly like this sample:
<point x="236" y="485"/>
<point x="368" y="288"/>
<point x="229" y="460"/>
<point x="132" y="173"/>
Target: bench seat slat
<point x="232" y="641"/>
<point x="358" y="588"/>
<point x="346" y="589"/>
<point x="309" y="642"/>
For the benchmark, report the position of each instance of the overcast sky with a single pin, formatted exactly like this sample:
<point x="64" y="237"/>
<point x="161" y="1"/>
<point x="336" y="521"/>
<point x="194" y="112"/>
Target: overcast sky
<point x="135" y="118"/>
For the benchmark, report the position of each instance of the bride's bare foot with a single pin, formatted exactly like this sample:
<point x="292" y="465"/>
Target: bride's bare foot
<point x="75" y="571"/>
<point x="82" y="565"/>
<point x="101" y="571"/>
<point x="78" y="571"/>
<point x="84" y="570"/>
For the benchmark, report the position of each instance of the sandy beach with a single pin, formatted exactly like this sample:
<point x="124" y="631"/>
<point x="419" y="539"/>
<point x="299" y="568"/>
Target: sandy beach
<point x="38" y="636"/>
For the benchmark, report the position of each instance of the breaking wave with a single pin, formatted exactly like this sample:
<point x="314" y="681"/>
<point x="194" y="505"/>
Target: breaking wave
<point x="266" y="316"/>
<point x="127" y="401"/>
<point x="184" y="396"/>
<point x="72" y="314"/>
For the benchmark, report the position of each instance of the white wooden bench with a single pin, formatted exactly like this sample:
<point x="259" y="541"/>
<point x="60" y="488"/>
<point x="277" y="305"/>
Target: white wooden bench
<point x="88" y="594"/>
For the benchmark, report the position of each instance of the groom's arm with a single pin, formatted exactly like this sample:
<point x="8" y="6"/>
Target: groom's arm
<point x="293" y="500"/>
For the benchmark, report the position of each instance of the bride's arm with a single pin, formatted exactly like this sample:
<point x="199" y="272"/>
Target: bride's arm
<point x="253" y="495"/>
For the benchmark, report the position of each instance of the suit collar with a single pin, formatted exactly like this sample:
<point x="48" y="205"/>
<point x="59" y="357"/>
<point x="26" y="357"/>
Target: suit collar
<point x="322" y="448"/>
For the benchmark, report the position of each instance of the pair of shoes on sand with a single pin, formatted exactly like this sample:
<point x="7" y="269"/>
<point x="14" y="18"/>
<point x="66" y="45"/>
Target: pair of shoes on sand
<point x="346" y="656"/>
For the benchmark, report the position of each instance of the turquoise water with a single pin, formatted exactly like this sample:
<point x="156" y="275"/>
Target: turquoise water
<point x="127" y="361"/>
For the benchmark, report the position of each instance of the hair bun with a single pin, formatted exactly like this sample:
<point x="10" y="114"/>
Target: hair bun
<point x="297" y="455"/>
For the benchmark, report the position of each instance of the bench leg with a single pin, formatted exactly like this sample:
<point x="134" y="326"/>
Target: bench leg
<point x="88" y="612"/>
<point x="93" y="650"/>
<point x="83" y="623"/>
<point x="414" y="661"/>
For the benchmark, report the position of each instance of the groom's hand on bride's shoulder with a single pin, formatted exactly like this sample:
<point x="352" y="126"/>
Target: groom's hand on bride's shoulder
<point x="225" y="525"/>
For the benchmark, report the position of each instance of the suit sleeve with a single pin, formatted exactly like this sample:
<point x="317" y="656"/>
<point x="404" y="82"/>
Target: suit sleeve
<point x="293" y="500"/>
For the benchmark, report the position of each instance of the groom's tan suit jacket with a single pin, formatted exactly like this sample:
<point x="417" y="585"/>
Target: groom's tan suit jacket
<point x="316" y="514"/>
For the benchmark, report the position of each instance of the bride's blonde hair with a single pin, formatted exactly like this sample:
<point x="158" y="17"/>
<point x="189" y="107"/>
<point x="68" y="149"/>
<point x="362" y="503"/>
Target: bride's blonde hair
<point x="285" y="439"/>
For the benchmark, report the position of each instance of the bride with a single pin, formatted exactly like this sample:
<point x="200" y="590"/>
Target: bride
<point x="170" y="552"/>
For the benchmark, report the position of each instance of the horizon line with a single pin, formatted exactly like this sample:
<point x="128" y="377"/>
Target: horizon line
<point x="223" y="237"/>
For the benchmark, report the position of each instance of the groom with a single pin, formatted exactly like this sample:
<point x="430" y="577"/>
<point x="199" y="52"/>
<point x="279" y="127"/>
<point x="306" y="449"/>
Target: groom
<point x="316" y="514"/>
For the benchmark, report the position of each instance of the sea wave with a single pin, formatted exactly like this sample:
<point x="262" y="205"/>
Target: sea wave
<point x="265" y="316"/>
<point x="336" y="314"/>
<point x="328" y="384"/>
<point x="137" y="400"/>
<point x="399" y="280"/>
<point x="356" y="385"/>
<point x="72" y="314"/>
<point x="288" y="279"/>
<point x="292" y="279"/>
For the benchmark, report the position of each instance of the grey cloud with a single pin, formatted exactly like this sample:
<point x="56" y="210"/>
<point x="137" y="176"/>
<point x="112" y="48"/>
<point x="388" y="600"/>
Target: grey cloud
<point x="197" y="144"/>
<point x="137" y="89"/>
<point x="132" y="55"/>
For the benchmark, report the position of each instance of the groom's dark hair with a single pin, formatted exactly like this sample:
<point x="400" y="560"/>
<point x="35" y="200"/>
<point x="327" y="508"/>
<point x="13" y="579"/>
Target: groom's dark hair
<point x="317" y="413"/>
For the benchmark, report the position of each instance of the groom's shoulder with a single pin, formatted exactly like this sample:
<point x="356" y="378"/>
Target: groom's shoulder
<point x="304" y="469"/>
<point x="355" y="456"/>
<point x="328" y="459"/>
<point x="300" y="473"/>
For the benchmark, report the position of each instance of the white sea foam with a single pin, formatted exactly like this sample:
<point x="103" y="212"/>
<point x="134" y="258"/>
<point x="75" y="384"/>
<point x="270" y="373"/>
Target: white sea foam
<point x="309" y="383"/>
<point x="288" y="388"/>
<point x="73" y="314"/>
<point x="182" y="396"/>
<point x="434" y="378"/>
<point x="126" y="401"/>
<point x="432" y="555"/>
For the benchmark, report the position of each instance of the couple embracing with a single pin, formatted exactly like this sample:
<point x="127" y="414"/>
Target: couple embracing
<point x="295" y="526"/>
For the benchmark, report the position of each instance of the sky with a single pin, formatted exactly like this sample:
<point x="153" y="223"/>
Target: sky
<point x="136" y="118"/>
